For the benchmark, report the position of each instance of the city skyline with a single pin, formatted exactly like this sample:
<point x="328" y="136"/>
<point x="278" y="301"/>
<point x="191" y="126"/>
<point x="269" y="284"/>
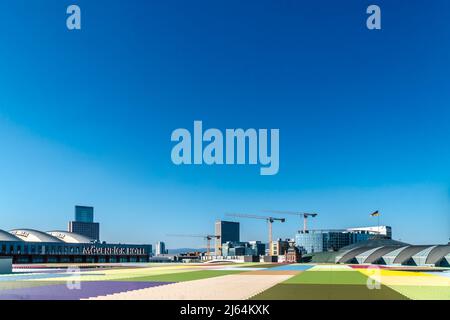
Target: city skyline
<point x="167" y="238"/>
<point x="363" y="116"/>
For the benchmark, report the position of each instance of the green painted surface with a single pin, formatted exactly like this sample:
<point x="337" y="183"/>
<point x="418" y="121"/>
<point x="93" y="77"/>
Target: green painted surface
<point x="329" y="277"/>
<point x="183" y="276"/>
<point x="261" y="265"/>
<point x="423" y="292"/>
<point x="7" y="285"/>
<point x="326" y="292"/>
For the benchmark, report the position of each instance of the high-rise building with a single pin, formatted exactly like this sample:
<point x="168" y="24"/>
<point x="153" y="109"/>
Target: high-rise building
<point x="160" y="248"/>
<point x="227" y="231"/>
<point x="84" y="223"/>
<point x="84" y="214"/>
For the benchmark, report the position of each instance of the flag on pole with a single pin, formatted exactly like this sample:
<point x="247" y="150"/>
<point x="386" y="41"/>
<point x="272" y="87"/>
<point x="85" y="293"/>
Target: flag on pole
<point x="375" y="214"/>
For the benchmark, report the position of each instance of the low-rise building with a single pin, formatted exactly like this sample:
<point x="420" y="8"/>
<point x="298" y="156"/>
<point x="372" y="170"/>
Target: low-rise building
<point x="251" y="248"/>
<point x="293" y="254"/>
<point x="5" y="265"/>
<point x="278" y="247"/>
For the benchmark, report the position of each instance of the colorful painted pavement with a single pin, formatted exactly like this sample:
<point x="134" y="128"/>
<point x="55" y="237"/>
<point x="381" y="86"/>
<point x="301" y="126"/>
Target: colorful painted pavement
<point x="229" y="282"/>
<point x="72" y="292"/>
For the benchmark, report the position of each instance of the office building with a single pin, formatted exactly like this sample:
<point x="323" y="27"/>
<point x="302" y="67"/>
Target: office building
<point x="258" y="248"/>
<point x="384" y="231"/>
<point x="228" y="232"/>
<point x="315" y="241"/>
<point x="84" y="214"/>
<point x="235" y="249"/>
<point x="278" y="247"/>
<point x="310" y="241"/>
<point x="160" y="248"/>
<point x="84" y="223"/>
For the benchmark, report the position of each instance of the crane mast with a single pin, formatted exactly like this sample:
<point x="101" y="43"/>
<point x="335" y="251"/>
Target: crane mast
<point x="304" y="215"/>
<point x="207" y="237"/>
<point x="270" y="221"/>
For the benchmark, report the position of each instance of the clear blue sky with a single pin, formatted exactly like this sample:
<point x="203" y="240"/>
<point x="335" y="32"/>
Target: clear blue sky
<point x="86" y="116"/>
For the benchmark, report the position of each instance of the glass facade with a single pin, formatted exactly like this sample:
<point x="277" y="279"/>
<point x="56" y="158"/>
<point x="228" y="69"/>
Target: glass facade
<point x="259" y="249"/>
<point x="87" y="229"/>
<point x="310" y="242"/>
<point x="252" y="248"/>
<point x="84" y="223"/>
<point x="36" y="252"/>
<point x="333" y="241"/>
<point x="228" y="232"/>
<point x="160" y="248"/>
<point x="319" y="241"/>
<point x="84" y="214"/>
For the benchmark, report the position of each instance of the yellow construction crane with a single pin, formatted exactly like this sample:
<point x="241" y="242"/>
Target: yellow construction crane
<point x="269" y="220"/>
<point x="207" y="237"/>
<point x="304" y="215"/>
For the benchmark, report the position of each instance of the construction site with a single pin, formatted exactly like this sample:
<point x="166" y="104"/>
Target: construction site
<point x="364" y="245"/>
<point x="350" y="264"/>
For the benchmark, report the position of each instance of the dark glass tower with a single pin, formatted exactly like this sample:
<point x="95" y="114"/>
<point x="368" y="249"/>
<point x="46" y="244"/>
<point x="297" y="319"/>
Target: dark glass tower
<point x="84" y="214"/>
<point x="228" y="232"/>
<point x="84" y="223"/>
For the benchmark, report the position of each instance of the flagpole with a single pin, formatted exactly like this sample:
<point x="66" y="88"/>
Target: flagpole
<point x="379" y="225"/>
<point x="377" y="214"/>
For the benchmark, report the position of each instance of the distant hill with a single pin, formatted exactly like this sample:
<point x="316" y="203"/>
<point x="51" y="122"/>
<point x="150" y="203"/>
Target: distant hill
<point x="184" y="250"/>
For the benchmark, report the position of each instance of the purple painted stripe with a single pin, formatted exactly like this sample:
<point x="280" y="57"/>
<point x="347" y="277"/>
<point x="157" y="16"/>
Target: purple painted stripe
<point x="87" y="290"/>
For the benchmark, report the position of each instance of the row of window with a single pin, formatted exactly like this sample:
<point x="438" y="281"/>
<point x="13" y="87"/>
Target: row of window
<point x="54" y="259"/>
<point x="38" y="249"/>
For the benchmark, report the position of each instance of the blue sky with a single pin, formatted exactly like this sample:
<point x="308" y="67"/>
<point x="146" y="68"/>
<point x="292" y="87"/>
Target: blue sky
<point x="86" y="116"/>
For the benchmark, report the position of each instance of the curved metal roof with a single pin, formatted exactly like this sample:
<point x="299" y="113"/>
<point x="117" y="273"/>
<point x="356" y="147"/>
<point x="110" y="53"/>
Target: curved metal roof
<point x="389" y="257"/>
<point x="378" y="254"/>
<point x="365" y="249"/>
<point x="6" y="236"/>
<point x="349" y="256"/>
<point x="373" y="243"/>
<point x="362" y="257"/>
<point x="437" y="254"/>
<point x="407" y="254"/>
<point x="70" y="237"/>
<point x="30" y="235"/>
